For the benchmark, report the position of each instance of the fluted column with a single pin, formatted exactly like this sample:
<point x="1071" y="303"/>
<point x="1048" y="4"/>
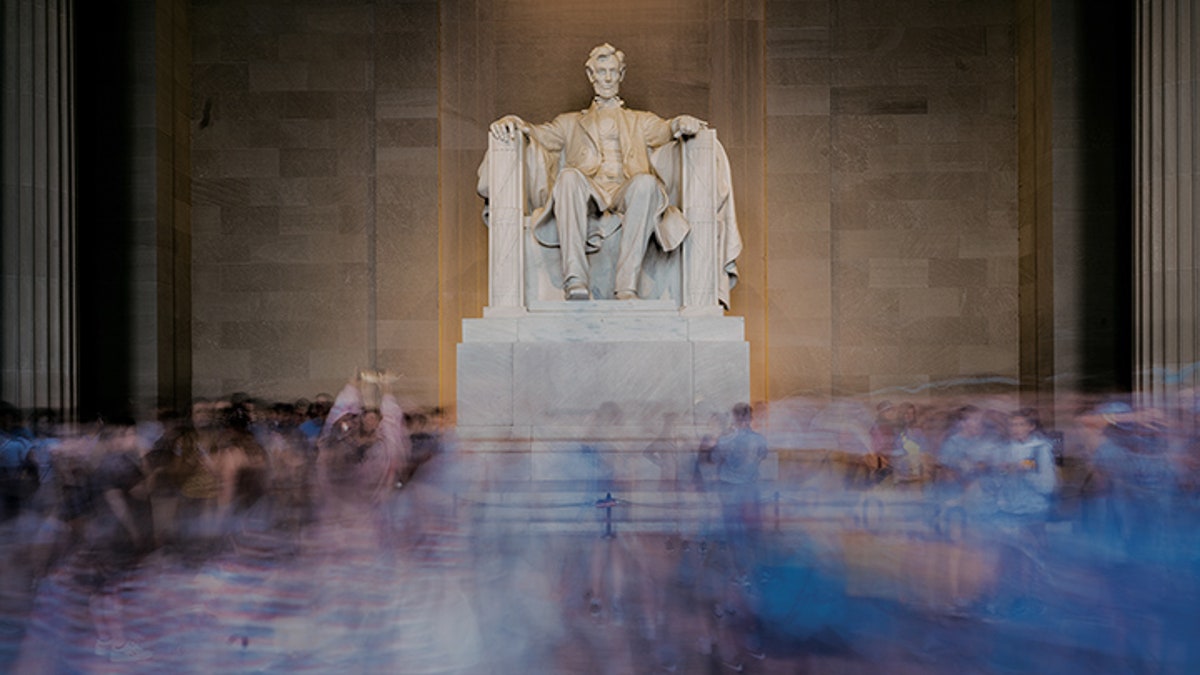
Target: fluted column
<point x="1167" y="338"/>
<point x="37" y="309"/>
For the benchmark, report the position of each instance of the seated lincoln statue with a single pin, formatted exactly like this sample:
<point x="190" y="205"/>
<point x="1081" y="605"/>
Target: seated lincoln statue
<point x="614" y="179"/>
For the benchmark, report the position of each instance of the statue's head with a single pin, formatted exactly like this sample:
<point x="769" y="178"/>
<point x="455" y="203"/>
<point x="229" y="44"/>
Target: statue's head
<point x="605" y="70"/>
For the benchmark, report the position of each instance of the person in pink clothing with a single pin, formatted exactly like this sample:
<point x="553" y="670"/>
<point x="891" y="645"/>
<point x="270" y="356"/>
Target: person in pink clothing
<point x="362" y="450"/>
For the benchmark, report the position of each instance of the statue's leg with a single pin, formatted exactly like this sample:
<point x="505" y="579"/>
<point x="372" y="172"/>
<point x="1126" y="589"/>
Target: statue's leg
<point x="572" y="192"/>
<point x="642" y="198"/>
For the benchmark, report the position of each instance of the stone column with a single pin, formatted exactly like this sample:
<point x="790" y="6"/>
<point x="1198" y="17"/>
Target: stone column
<point x="1167" y="335"/>
<point x="37" y="255"/>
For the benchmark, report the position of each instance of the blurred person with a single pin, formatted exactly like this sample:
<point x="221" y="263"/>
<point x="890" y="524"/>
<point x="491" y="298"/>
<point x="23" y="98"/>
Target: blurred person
<point x="39" y="465"/>
<point x="440" y="595"/>
<point x="240" y="464"/>
<point x="969" y="447"/>
<point x="280" y="418"/>
<point x="164" y="458"/>
<point x="360" y="451"/>
<point x="18" y="476"/>
<point x="64" y="498"/>
<point x="908" y="456"/>
<point x="425" y="441"/>
<point x="1028" y="464"/>
<point x="116" y="537"/>
<point x="875" y="465"/>
<point x="262" y="420"/>
<point x="1189" y="457"/>
<point x="315" y="417"/>
<point x="194" y="475"/>
<point x="606" y="555"/>
<point x="1133" y="468"/>
<point x="737" y="456"/>
<point x="664" y="451"/>
<point x="705" y="469"/>
<point x="292" y="466"/>
<point x="299" y="411"/>
<point x="152" y="429"/>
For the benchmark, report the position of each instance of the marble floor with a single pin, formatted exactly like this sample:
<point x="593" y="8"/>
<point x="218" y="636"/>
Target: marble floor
<point x="455" y="588"/>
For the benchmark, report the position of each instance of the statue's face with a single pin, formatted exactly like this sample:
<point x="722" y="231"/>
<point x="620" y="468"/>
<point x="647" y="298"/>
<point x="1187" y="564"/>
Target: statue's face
<point x="605" y="74"/>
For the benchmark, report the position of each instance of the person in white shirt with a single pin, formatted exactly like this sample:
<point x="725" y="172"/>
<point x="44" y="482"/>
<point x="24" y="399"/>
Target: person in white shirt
<point x="1028" y="463"/>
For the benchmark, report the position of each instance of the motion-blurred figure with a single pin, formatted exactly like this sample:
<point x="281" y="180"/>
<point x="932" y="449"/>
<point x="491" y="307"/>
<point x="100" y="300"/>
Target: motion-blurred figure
<point x="361" y="451"/>
<point x="117" y="535"/>
<point x="1134" y="470"/>
<point x="1029" y="467"/>
<point x="17" y="475"/>
<point x="909" y="455"/>
<point x="737" y="457"/>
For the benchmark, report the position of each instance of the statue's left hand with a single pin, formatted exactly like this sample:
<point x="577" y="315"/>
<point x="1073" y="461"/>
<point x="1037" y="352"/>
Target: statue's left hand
<point x="686" y="125"/>
<point x="506" y="128"/>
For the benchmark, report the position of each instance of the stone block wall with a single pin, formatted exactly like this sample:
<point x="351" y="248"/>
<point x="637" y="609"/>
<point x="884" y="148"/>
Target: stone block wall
<point x="891" y="194"/>
<point x="314" y="189"/>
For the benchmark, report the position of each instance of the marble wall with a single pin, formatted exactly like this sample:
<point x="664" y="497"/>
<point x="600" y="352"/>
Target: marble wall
<point x="891" y="194"/>
<point x="314" y="194"/>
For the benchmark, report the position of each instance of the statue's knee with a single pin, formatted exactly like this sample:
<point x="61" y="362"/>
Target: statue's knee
<point x="570" y="179"/>
<point x="642" y="185"/>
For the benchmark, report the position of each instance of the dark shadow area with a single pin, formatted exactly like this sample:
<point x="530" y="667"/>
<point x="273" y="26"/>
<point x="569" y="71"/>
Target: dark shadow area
<point x="1104" y="38"/>
<point x="106" y="73"/>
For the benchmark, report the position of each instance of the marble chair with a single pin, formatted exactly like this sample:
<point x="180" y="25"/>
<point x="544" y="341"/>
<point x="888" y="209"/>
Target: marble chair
<point x="695" y="277"/>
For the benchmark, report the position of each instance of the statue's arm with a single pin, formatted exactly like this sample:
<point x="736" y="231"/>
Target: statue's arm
<point x="551" y="135"/>
<point x="506" y="128"/>
<point x="686" y="125"/>
<point x="658" y="131"/>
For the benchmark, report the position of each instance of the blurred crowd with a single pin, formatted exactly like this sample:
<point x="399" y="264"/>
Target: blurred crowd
<point x="807" y="536"/>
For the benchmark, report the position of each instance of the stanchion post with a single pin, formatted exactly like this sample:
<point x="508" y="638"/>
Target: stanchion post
<point x="777" y="510"/>
<point x="607" y="503"/>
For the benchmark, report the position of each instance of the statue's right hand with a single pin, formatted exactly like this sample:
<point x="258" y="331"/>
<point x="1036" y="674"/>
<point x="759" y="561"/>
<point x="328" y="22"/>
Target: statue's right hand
<point x="506" y="128"/>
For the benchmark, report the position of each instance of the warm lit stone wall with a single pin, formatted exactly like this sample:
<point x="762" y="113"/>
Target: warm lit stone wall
<point x="891" y="194"/>
<point x="314" y="159"/>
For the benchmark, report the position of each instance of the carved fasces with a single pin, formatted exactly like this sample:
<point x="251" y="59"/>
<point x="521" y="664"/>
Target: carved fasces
<point x="506" y="218"/>
<point x="701" y="259"/>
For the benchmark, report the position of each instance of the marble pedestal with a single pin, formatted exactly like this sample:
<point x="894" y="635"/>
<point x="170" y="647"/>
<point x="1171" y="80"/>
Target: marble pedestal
<point x="611" y="376"/>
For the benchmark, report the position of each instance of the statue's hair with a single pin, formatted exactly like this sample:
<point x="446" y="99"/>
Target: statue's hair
<point x="604" y="50"/>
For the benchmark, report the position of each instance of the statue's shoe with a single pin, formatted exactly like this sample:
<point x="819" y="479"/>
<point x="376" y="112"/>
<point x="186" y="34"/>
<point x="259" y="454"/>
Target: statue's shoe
<point x="578" y="292"/>
<point x="627" y="295"/>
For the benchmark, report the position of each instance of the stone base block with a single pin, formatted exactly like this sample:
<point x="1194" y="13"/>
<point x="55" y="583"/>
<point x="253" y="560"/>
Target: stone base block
<point x="564" y="372"/>
<point x="544" y="394"/>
